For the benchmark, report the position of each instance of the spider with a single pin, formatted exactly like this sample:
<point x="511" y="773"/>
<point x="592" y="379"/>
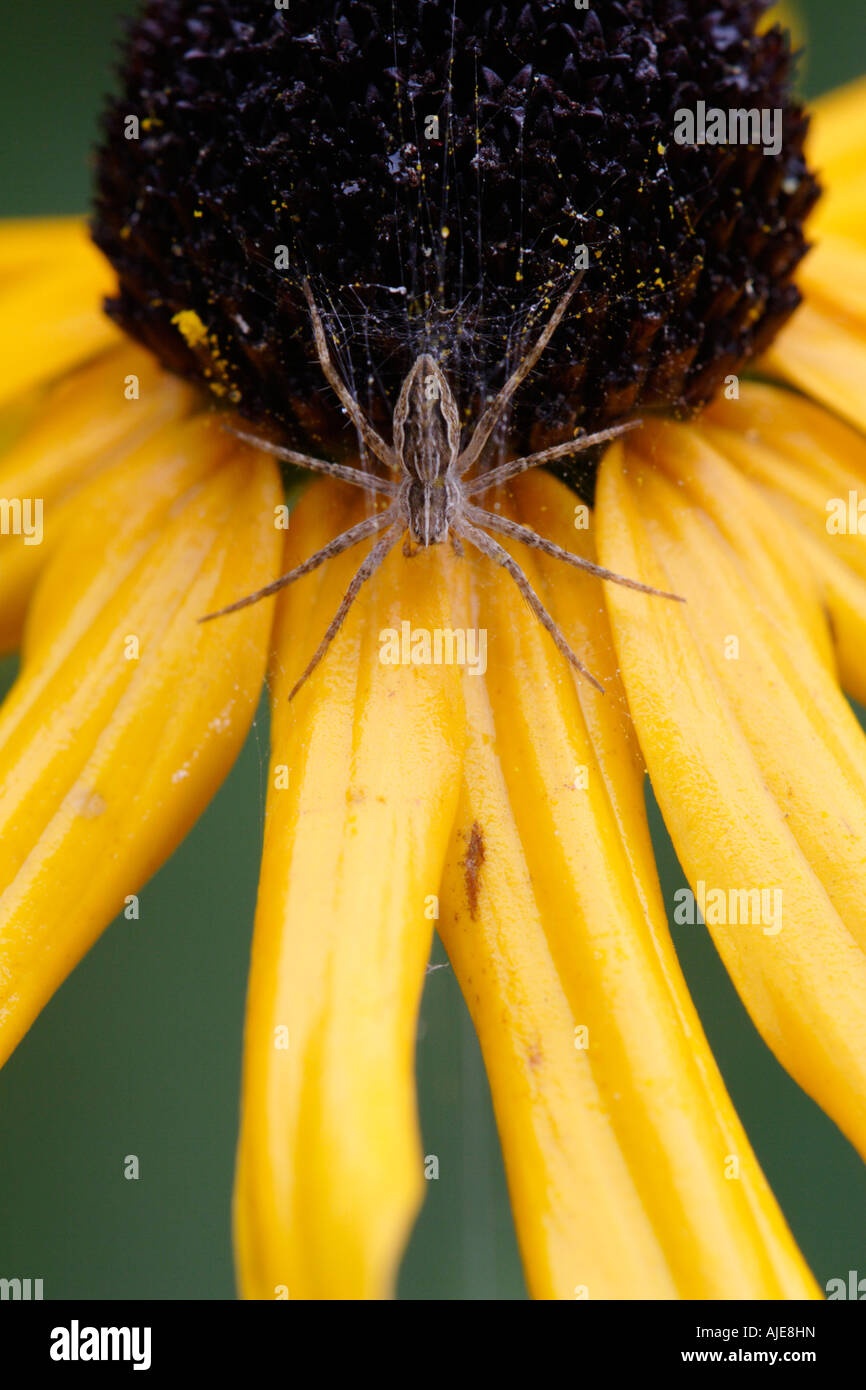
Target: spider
<point x="431" y="497"/>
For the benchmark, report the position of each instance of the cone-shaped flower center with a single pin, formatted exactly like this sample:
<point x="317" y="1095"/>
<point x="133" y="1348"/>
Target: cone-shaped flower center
<point x="437" y="170"/>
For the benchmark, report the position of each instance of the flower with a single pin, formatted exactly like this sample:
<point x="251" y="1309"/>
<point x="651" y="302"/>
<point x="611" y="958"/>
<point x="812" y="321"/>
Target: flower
<point x="505" y="808"/>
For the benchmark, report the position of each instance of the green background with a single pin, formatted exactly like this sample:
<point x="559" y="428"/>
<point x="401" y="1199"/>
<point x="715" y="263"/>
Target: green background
<point x="139" y="1052"/>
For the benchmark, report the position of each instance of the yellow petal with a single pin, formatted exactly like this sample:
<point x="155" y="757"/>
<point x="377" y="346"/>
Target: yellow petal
<point x="127" y="713"/>
<point x="330" y="1167"/>
<point x="809" y="465"/>
<point x="833" y="276"/>
<point x="836" y="147"/>
<point x="51" y="306"/>
<point x="27" y="244"/>
<point x="82" y="425"/>
<point x="837" y="134"/>
<point x="822" y="349"/>
<point x="823" y="352"/>
<point x="616" y="1138"/>
<point x="756" y="759"/>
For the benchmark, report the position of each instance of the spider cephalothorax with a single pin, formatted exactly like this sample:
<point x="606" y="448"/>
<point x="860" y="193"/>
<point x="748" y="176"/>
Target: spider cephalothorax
<point x="431" y="496"/>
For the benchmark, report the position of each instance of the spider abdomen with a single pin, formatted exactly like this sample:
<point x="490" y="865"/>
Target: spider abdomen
<point x="426" y="423"/>
<point x="430" y="506"/>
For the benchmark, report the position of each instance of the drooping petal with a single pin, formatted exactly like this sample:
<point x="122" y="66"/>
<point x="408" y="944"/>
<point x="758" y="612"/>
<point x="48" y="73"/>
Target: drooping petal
<point x="81" y="425"/>
<point x="364" y="778"/>
<point x="822" y="349"/>
<point x="756" y="759"/>
<point x="27" y="244"/>
<point x="52" y="284"/>
<point x="618" y="1136"/>
<point x="812" y="469"/>
<point x="837" y="149"/>
<point x="833" y="276"/>
<point x="127" y="713"/>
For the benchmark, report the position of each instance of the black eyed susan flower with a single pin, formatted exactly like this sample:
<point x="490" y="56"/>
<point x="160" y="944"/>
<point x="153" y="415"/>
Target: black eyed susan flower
<point x="433" y="176"/>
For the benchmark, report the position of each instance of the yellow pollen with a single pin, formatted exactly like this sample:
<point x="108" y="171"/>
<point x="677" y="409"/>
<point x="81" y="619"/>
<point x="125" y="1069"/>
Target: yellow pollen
<point x="191" y="327"/>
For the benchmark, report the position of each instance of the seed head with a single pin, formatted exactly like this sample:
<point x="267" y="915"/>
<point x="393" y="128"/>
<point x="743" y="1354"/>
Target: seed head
<point x="431" y="167"/>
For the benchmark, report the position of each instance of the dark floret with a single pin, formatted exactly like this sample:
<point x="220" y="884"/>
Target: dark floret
<point x="314" y="128"/>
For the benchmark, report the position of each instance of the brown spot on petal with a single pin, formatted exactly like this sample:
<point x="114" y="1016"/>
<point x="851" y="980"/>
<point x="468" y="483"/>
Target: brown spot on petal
<point x="472" y="862"/>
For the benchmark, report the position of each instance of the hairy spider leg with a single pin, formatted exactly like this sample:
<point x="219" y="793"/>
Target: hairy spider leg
<point x="572" y="446"/>
<point x="369" y="527"/>
<point x="479" y="517"/>
<point x="373" y="440"/>
<point x="488" y="546"/>
<point x="369" y="481"/>
<point x="367" y="568"/>
<point x="469" y="517"/>
<point x="494" y="412"/>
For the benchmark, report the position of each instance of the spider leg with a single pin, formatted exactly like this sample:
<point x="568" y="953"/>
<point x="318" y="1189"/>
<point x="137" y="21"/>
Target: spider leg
<point x="373" y="440"/>
<point x="494" y="412"/>
<point x="369" y="527"/>
<point x="572" y="446"/>
<point x="516" y="532"/>
<point x="368" y="567"/>
<point x="369" y="481"/>
<point x="488" y="546"/>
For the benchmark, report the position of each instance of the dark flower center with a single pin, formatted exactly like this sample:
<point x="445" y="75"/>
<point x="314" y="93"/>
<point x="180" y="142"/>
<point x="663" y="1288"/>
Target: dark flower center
<point x="437" y="168"/>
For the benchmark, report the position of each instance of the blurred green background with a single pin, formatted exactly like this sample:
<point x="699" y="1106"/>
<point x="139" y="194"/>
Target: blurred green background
<point x="139" y="1053"/>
